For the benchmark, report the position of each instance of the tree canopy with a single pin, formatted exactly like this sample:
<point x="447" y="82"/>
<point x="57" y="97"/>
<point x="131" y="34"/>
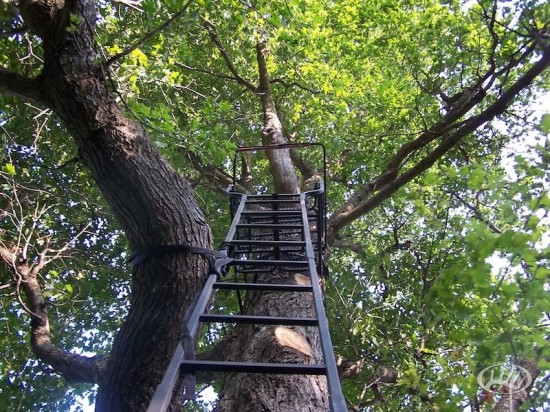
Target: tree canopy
<point x="119" y="121"/>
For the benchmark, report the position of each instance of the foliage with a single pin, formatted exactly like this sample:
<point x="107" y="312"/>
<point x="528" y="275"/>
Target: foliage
<point x="452" y="271"/>
<point x="85" y="283"/>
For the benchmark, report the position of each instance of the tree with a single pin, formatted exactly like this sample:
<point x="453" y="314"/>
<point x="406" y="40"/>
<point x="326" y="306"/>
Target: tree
<point x="406" y="98"/>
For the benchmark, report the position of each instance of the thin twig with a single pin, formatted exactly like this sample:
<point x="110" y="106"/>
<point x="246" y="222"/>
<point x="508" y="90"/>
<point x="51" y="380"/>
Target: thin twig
<point x="148" y="36"/>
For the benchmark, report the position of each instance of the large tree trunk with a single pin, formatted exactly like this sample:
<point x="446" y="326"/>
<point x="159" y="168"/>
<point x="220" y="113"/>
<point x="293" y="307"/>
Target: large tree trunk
<point x="275" y="344"/>
<point x="153" y="204"/>
<point x="280" y="163"/>
<point x="155" y="207"/>
<point x="515" y="395"/>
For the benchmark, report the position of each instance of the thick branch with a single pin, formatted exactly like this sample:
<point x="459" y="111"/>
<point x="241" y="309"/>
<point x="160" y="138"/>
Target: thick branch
<point x="73" y="367"/>
<point x="348" y="369"/>
<point x="388" y="182"/>
<point x="14" y="85"/>
<point x="213" y="174"/>
<point x="307" y="171"/>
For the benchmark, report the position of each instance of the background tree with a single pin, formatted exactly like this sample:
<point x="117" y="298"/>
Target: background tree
<point x="418" y="105"/>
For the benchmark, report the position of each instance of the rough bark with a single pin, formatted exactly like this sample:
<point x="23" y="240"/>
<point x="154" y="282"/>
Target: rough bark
<point x="512" y="398"/>
<point x="278" y="344"/>
<point x="154" y="204"/>
<point x="280" y="163"/>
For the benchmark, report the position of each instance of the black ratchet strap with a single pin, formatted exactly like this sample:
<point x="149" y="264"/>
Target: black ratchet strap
<point x="148" y="252"/>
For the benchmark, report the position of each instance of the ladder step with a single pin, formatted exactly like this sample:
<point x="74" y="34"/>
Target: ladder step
<point x="267" y="242"/>
<point x="250" y="367"/>
<point x="262" y="286"/>
<point x="276" y="201"/>
<point x="287" y="217"/>
<point x="274" y="220"/>
<point x="278" y="196"/>
<point x="269" y="269"/>
<point x="295" y="263"/>
<point x="260" y="320"/>
<point x="256" y="250"/>
<point x="263" y="213"/>
<point x="268" y="226"/>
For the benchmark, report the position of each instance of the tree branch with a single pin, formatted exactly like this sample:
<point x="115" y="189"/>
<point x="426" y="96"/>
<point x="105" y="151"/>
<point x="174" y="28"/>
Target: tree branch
<point x="346" y="245"/>
<point x="372" y="194"/>
<point x="73" y="367"/>
<point x="211" y="29"/>
<point x="477" y="213"/>
<point x="24" y="88"/>
<point x="213" y="174"/>
<point x="287" y="85"/>
<point x="148" y="35"/>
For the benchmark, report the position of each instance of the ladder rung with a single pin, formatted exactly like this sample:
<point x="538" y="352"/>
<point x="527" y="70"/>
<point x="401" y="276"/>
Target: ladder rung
<point x="279" y="196"/>
<point x="250" y="367"/>
<point x="268" y="226"/>
<point x="262" y="286"/>
<point x="300" y="263"/>
<point x="291" y="217"/>
<point x="264" y="201"/>
<point x="259" y="249"/>
<point x="263" y="213"/>
<point x="297" y="269"/>
<point x="268" y="242"/>
<point x="273" y="220"/>
<point x="260" y="320"/>
<point x="256" y="250"/>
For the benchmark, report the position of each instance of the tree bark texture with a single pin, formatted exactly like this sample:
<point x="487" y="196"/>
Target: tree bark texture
<point x="277" y="344"/>
<point x="280" y="163"/>
<point x="512" y="398"/>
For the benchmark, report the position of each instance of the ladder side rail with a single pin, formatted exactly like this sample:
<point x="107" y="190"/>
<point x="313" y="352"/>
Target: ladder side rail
<point x="336" y="398"/>
<point x="200" y="306"/>
<point x="322" y="228"/>
<point x="163" y="393"/>
<point x="319" y="212"/>
<point x="235" y="198"/>
<point x="236" y="218"/>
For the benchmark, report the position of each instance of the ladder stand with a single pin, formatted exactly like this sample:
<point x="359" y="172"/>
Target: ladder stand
<point x="268" y="232"/>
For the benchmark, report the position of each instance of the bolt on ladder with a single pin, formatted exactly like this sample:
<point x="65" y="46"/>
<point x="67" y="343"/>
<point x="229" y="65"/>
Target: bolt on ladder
<point x="282" y="232"/>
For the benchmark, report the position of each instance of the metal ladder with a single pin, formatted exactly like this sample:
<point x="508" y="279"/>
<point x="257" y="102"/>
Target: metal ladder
<point x="268" y="232"/>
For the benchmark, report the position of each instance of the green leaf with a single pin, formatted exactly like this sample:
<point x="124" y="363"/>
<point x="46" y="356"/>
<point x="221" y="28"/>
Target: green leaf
<point x="9" y="168"/>
<point x="431" y="178"/>
<point x="544" y="124"/>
